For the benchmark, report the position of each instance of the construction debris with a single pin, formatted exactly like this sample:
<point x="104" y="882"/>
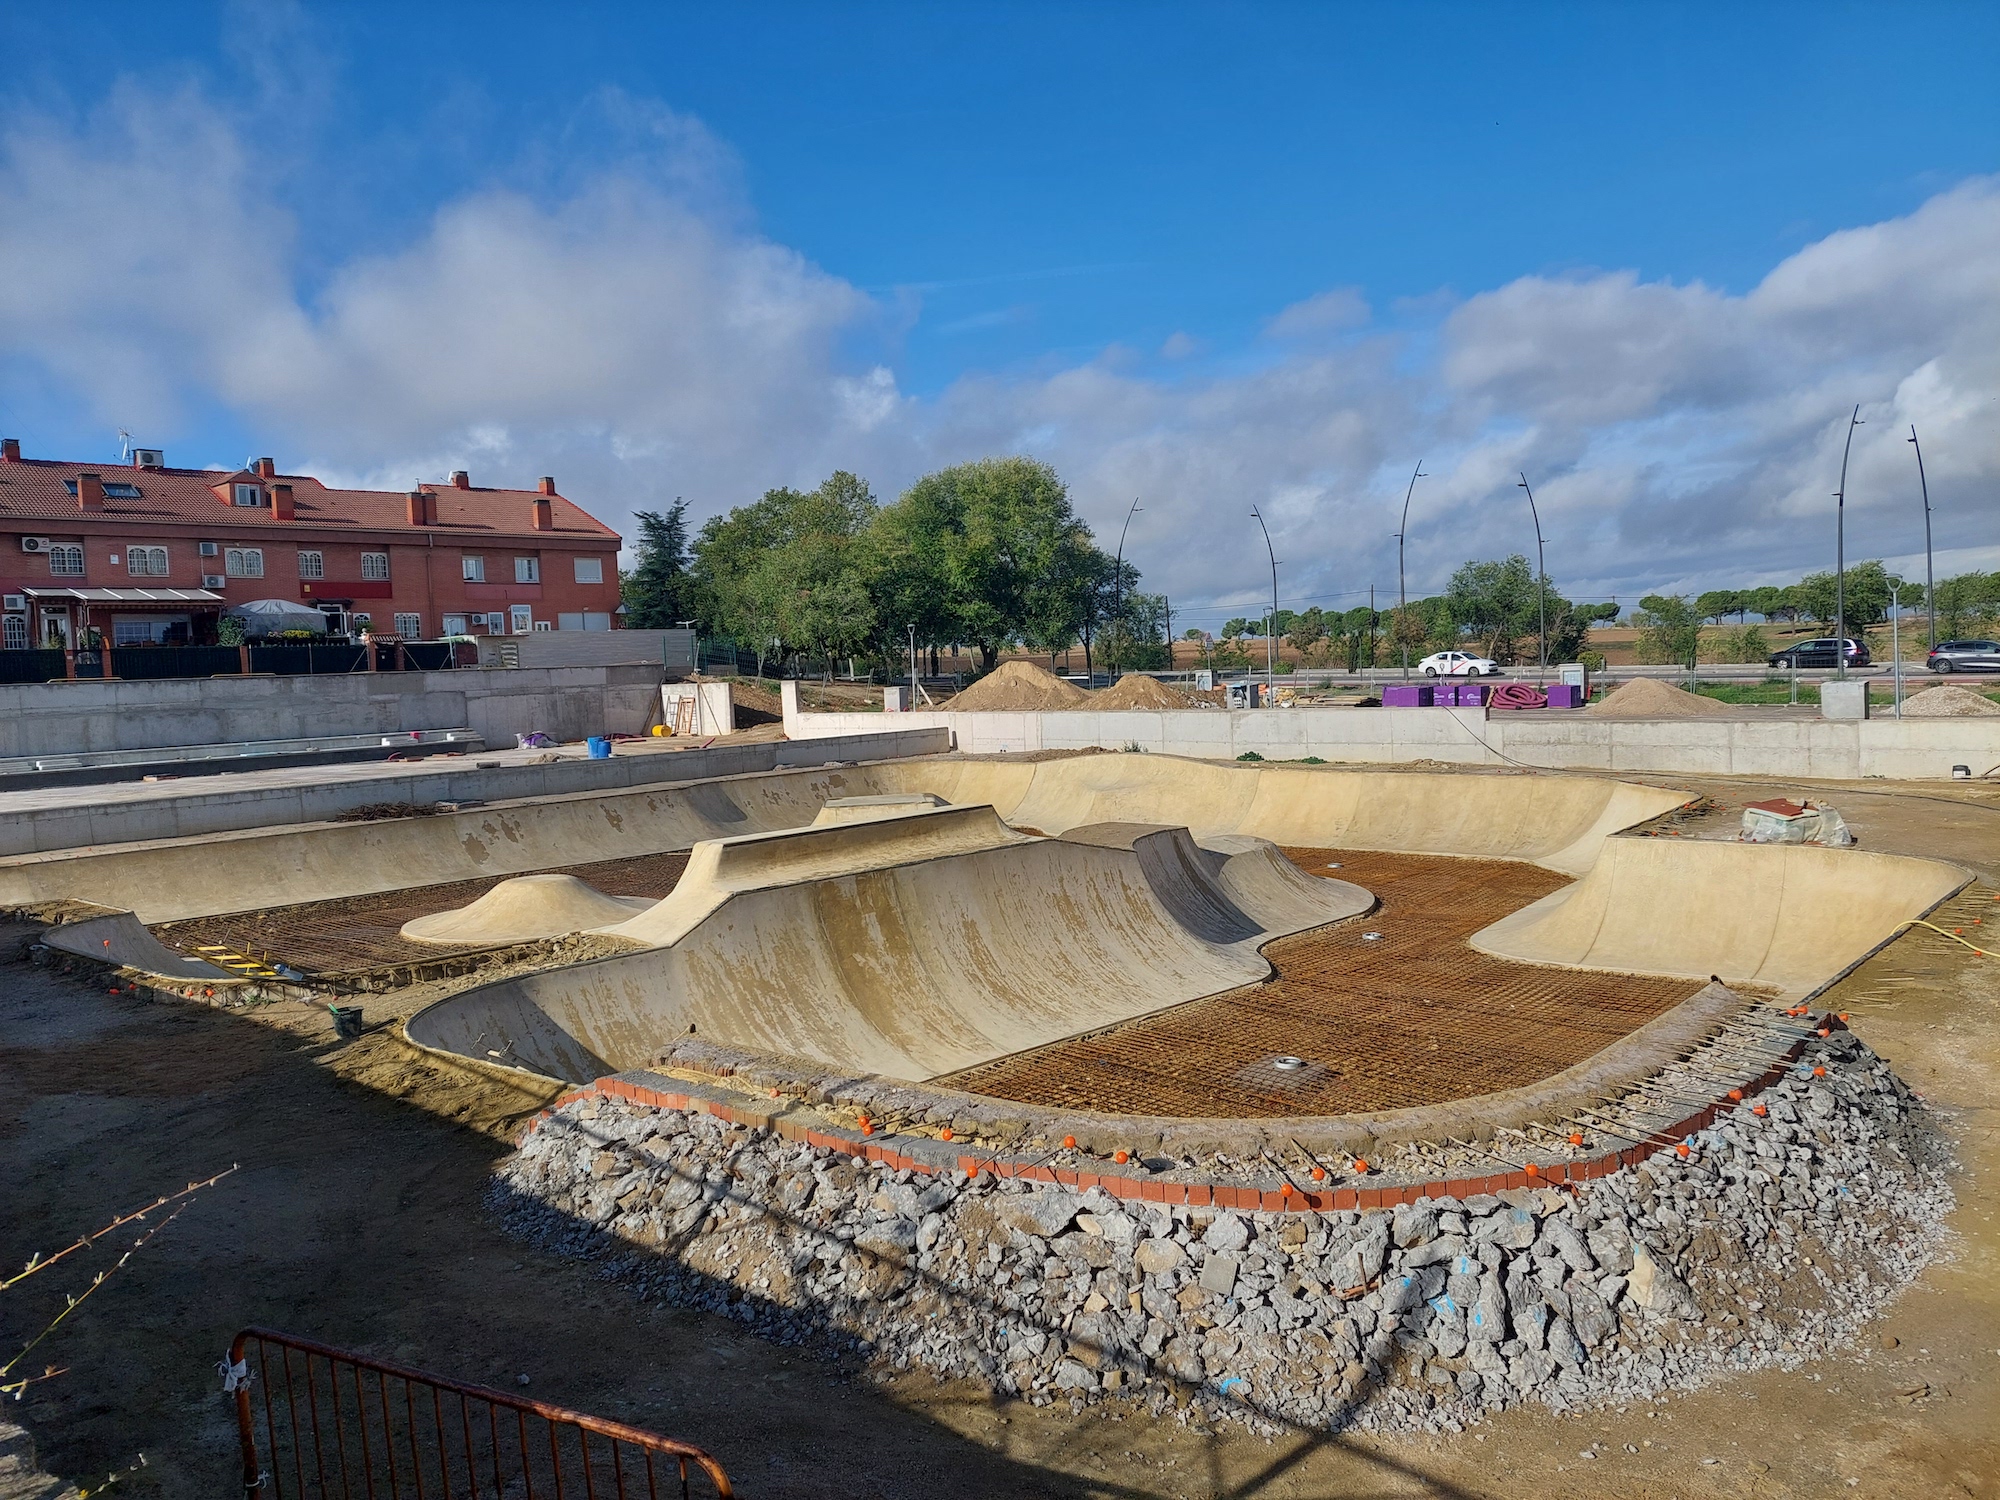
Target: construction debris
<point x="1019" y="687"/>
<point x="1948" y="702"/>
<point x="1650" y="698"/>
<point x="1787" y="1225"/>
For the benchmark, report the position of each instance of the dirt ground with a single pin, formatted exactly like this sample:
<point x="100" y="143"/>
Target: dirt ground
<point x="356" y="1218"/>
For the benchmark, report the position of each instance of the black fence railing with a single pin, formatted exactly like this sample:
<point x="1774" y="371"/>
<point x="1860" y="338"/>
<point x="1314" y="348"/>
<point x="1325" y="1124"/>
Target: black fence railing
<point x="286" y="659"/>
<point x="32" y="666"/>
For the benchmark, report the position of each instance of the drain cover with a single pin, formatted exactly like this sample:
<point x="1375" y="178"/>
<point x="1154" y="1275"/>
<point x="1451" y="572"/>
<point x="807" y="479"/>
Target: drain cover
<point x="1282" y="1072"/>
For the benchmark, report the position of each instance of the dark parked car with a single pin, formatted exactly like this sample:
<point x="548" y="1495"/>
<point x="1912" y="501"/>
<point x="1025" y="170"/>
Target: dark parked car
<point x="1965" y="656"/>
<point x="1819" y="654"/>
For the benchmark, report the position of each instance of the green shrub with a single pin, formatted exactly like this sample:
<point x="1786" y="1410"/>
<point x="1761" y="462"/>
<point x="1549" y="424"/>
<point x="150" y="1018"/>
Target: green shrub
<point x="1249" y="755"/>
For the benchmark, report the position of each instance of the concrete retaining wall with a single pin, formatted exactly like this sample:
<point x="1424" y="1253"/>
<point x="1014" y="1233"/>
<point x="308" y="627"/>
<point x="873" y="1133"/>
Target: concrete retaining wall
<point x="1821" y="749"/>
<point x="56" y="718"/>
<point x="202" y="813"/>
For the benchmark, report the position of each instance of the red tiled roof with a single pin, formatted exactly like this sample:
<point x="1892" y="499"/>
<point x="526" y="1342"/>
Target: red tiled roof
<point x="34" y="490"/>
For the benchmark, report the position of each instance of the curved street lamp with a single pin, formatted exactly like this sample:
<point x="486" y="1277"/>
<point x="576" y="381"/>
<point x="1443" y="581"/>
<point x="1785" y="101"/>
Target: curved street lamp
<point x="1271" y="632"/>
<point x="1118" y="578"/>
<point x="1402" y="593"/>
<point x="1840" y="554"/>
<point x="1541" y="587"/>
<point x="1930" y="583"/>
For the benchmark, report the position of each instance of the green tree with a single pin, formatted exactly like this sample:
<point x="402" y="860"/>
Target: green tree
<point x="1235" y="628"/>
<point x="1869" y="588"/>
<point x="1500" y="603"/>
<point x="656" y="592"/>
<point x="1307" y="632"/>
<point x="1358" y="629"/>
<point x="969" y="554"/>
<point x="790" y="569"/>
<point x="1964" y="599"/>
<point x="1669" y="629"/>
<point x="1718" y="604"/>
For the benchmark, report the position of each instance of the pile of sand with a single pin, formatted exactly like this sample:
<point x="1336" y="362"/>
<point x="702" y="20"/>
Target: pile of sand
<point x="1019" y="687"/>
<point x="1948" y="703"/>
<point x="1649" y="698"/>
<point x="1139" y="691"/>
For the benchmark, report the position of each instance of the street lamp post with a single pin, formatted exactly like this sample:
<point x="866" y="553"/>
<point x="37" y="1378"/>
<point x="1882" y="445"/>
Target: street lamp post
<point x="1541" y="588"/>
<point x="1840" y="554"/>
<point x="1118" y="580"/>
<point x="1930" y="582"/>
<point x="1402" y="592"/>
<point x="1271" y="630"/>
<point x="913" y="664"/>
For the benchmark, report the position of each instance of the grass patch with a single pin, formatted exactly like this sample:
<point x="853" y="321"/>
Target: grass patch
<point x="1779" y="689"/>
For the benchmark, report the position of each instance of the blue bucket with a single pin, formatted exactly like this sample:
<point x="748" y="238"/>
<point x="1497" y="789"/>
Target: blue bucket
<point x="599" y="747"/>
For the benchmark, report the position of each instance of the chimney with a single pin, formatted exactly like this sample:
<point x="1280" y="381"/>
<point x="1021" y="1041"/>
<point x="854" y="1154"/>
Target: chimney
<point x="90" y="491"/>
<point x="10" y="450"/>
<point x="460" y="480"/>
<point x="544" y="518"/>
<point x="266" y="467"/>
<point x="281" y="501"/>
<point x="548" y="484"/>
<point x="419" y="511"/>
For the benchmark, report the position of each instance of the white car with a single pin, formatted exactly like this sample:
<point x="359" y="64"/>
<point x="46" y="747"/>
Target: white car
<point x="1458" y="664"/>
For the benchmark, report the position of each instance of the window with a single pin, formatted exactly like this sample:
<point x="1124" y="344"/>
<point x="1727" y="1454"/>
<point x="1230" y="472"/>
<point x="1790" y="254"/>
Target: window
<point x="590" y="570"/>
<point x="543" y="625"/>
<point x="454" y="624"/>
<point x="527" y="570"/>
<point x="146" y="562"/>
<point x="131" y="633"/>
<point x="16" y="633"/>
<point x="66" y="561"/>
<point x="248" y="494"/>
<point x="243" y="562"/>
<point x="112" y="491"/>
<point x="524" y="618"/>
<point x="374" y="566"/>
<point x="475" y="568"/>
<point x="312" y="565"/>
<point x="410" y="627"/>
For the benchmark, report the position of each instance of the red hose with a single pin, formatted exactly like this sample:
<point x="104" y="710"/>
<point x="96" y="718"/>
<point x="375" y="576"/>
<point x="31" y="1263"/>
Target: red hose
<point x="1517" y="695"/>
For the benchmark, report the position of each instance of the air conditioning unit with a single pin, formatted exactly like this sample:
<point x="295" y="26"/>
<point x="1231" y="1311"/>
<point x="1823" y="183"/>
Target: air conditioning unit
<point x="211" y="549"/>
<point x="214" y="581"/>
<point x="148" y="458"/>
<point x="34" y="544"/>
<point x="15" y="602"/>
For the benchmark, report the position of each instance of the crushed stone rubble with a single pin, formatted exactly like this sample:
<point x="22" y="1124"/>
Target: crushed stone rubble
<point x="1771" y="1242"/>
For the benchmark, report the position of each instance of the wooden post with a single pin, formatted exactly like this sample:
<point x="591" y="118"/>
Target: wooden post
<point x="243" y="656"/>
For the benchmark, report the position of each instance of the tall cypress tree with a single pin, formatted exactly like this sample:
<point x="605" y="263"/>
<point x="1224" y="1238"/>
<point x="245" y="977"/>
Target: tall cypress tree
<point x="656" y="593"/>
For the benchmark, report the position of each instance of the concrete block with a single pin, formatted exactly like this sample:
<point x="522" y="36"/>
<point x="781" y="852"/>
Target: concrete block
<point x="1843" y="700"/>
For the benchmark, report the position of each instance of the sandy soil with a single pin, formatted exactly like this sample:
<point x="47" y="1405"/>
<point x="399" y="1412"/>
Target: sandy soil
<point x="356" y="1218"/>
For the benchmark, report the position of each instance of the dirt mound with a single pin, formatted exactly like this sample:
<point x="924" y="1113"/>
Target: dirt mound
<point x="1649" y="698"/>
<point x="1948" y="703"/>
<point x="1019" y="687"/>
<point x="1139" y="691"/>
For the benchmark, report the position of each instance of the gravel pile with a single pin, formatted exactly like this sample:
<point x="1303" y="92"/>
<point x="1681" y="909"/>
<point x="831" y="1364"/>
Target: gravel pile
<point x="1774" y="1239"/>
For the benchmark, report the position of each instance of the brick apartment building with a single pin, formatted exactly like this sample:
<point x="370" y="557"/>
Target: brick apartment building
<point x="145" y="553"/>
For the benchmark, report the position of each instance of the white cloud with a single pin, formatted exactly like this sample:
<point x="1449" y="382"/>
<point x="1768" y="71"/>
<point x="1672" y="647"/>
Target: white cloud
<point x="622" y="324"/>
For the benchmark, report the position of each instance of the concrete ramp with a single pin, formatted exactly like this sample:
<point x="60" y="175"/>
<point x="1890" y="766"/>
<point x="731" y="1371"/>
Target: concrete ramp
<point x="1559" y="822"/>
<point x="524" y="909"/>
<point x="122" y="939"/>
<point x="903" y="955"/>
<point x="1787" y="915"/>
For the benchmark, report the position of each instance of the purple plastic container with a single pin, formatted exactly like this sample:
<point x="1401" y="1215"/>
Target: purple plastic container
<point x="1406" y="697"/>
<point x="1564" y="695"/>
<point x="1473" y="695"/>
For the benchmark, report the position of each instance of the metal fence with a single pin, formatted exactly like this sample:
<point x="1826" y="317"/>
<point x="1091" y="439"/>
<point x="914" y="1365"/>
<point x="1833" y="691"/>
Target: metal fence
<point x="316" y="1421"/>
<point x="300" y="659"/>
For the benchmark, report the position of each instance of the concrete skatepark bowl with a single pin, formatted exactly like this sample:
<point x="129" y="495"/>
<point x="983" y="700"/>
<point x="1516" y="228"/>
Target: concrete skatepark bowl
<point x="1095" y="932"/>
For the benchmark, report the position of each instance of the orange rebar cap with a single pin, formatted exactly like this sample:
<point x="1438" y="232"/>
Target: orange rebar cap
<point x="1121" y="1157"/>
<point x="1319" y="1174"/>
<point x="1069" y="1143"/>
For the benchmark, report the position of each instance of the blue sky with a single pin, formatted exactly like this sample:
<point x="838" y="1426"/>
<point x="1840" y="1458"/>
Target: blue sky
<point x="1218" y="256"/>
